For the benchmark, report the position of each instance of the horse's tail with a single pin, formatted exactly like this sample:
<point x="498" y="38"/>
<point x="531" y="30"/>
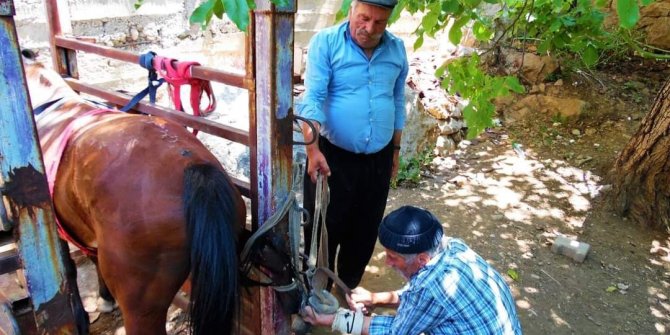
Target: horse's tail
<point x="210" y="208"/>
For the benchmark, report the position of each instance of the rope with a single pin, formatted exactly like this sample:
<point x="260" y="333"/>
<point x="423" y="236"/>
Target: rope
<point x="146" y="61"/>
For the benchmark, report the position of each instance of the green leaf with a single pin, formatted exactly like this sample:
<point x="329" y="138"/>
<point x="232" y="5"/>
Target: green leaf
<point x="513" y="274"/>
<point x="395" y="15"/>
<point x="440" y="71"/>
<point x="138" y="4"/>
<point x="646" y="2"/>
<point x="455" y="33"/>
<point x="203" y="11"/>
<point x="238" y="12"/>
<point x="629" y="13"/>
<point x="610" y="289"/>
<point x="429" y="21"/>
<point x="472" y="3"/>
<point x="451" y="6"/>
<point x="590" y="56"/>
<point x="419" y="42"/>
<point x="481" y="31"/>
<point x="514" y="85"/>
<point x="218" y="9"/>
<point x="344" y="11"/>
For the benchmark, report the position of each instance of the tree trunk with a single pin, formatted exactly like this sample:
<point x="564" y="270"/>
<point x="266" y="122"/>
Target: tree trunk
<point x="641" y="173"/>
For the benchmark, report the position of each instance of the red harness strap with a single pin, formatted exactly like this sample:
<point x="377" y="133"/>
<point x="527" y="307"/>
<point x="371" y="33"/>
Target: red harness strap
<point x="52" y="158"/>
<point x="178" y="73"/>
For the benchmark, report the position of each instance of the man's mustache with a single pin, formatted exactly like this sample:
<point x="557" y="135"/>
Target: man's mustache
<point x="362" y="31"/>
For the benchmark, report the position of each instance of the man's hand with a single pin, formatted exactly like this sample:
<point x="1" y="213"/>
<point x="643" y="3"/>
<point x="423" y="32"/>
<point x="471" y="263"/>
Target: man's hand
<point x="396" y="164"/>
<point x="316" y="162"/>
<point x="310" y="316"/>
<point x="361" y="298"/>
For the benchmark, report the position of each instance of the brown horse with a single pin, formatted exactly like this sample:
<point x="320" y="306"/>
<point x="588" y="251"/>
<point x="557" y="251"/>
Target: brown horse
<point x="149" y="200"/>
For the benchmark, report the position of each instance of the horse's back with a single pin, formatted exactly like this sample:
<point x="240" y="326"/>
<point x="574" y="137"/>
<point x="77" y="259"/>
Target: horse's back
<point x="122" y="175"/>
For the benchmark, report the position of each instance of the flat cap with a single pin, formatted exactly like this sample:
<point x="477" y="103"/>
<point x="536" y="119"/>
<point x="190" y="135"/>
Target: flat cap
<point x="381" y="3"/>
<point x="410" y="230"/>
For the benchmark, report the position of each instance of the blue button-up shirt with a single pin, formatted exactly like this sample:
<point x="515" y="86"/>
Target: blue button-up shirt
<point x="359" y="102"/>
<point x="457" y="292"/>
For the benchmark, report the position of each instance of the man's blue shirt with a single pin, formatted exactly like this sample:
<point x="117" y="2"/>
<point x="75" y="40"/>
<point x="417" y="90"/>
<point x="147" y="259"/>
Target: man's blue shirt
<point x="359" y="102"/>
<point x="457" y="292"/>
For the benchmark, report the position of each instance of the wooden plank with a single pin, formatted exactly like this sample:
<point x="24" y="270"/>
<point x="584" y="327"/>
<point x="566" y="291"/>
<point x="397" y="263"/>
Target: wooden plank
<point x="48" y="270"/>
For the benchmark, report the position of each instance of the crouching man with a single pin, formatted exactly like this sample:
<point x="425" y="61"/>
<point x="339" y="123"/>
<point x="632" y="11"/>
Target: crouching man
<point x="450" y="289"/>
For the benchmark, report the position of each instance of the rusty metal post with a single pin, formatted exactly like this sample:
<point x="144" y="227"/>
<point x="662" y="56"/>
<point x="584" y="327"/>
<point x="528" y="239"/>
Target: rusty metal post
<point x="64" y="60"/>
<point x="272" y="131"/>
<point x="48" y="269"/>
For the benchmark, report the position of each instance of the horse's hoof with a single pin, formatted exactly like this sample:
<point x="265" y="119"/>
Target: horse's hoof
<point x="105" y="306"/>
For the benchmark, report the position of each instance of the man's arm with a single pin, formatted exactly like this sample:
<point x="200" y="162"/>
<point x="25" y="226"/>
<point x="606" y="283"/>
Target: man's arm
<point x="361" y="297"/>
<point x="316" y="161"/>
<point x="344" y="321"/>
<point x="397" y="135"/>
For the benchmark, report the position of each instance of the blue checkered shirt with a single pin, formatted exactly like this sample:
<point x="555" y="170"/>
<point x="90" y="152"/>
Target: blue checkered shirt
<point x="457" y="292"/>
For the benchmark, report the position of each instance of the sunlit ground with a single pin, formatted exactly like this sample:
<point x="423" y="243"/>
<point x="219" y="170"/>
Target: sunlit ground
<point x="510" y="208"/>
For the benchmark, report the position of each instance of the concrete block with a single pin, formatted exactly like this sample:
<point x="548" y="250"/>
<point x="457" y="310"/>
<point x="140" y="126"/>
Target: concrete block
<point x="571" y="248"/>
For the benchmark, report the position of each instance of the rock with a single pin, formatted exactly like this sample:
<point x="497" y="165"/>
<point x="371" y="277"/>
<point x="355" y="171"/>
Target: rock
<point x="571" y="248"/>
<point x="444" y="145"/>
<point x="576" y="132"/>
<point x="566" y="107"/>
<point x="449" y="127"/>
<point x="134" y="34"/>
<point x="534" y="68"/>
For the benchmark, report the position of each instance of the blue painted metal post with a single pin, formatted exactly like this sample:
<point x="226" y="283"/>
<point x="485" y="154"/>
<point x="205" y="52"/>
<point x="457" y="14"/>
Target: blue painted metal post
<point x="48" y="268"/>
<point x="273" y="127"/>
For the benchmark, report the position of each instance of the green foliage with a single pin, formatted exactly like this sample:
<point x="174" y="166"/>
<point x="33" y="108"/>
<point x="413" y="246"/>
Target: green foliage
<point x="465" y="77"/>
<point x="237" y="10"/>
<point x="409" y="170"/>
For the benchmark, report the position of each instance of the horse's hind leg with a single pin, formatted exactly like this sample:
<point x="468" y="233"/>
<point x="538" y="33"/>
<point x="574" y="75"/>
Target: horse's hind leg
<point x="106" y="302"/>
<point x="143" y="288"/>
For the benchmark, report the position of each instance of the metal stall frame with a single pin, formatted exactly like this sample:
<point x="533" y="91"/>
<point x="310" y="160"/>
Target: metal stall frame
<point x="269" y="83"/>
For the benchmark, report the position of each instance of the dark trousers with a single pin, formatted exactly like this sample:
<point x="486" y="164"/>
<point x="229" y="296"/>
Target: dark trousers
<point x="359" y="186"/>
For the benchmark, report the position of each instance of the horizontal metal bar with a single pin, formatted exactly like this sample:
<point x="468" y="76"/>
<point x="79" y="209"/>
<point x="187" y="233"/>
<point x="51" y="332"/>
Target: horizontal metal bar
<point x="200" y="72"/>
<point x="9" y="261"/>
<point x="204" y="125"/>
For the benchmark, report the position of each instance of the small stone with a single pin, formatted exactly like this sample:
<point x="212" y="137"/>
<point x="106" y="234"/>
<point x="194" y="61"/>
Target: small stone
<point x="571" y="248"/>
<point x="134" y="34"/>
<point x="576" y="132"/>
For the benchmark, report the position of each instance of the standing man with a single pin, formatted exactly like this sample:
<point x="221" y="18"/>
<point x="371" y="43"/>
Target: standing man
<point x="451" y="289"/>
<point x="355" y="97"/>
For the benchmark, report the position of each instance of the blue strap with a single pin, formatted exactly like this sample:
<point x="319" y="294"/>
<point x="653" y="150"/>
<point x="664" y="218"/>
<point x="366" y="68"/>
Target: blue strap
<point x="146" y="61"/>
<point x="41" y="108"/>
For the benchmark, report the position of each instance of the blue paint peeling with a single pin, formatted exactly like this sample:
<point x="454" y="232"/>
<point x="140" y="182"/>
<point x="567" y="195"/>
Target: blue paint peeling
<point x="14" y="100"/>
<point x="43" y="264"/>
<point x="284" y="47"/>
<point x="43" y="278"/>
